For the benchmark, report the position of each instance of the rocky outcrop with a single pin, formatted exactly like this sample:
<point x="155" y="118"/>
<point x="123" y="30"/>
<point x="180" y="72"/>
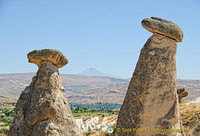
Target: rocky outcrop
<point x="42" y="109"/>
<point x="181" y="94"/>
<point x="97" y="123"/>
<point x="150" y="106"/>
<point x="164" y="27"/>
<point x="50" y="55"/>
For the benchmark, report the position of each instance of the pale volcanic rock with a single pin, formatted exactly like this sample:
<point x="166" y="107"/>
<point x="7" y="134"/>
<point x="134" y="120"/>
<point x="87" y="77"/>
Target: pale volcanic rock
<point x="164" y="27"/>
<point x="51" y="55"/>
<point x="43" y="109"/>
<point x="151" y="101"/>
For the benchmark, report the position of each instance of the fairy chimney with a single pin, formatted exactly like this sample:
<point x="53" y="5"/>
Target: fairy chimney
<point x="150" y="106"/>
<point x="43" y="109"/>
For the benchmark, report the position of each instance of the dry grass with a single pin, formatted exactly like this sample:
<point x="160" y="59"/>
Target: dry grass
<point x="190" y="114"/>
<point x="85" y="118"/>
<point x="112" y="118"/>
<point x="100" y="119"/>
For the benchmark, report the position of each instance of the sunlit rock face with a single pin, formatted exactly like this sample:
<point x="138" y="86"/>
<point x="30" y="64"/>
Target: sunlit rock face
<point x="151" y="102"/>
<point x="43" y="109"/>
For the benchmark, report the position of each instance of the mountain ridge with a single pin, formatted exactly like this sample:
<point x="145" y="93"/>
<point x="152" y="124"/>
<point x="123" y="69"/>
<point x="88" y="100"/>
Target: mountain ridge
<point x="86" y="89"/>
<point x="92" y="71"/>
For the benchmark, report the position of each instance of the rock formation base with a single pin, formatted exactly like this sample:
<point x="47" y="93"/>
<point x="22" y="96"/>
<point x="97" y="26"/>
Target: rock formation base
<point x="151" y="102"/>
<point x="42" y="109"/>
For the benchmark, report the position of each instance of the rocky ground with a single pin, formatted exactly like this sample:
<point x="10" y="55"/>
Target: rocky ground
<point x="96" y="124"/>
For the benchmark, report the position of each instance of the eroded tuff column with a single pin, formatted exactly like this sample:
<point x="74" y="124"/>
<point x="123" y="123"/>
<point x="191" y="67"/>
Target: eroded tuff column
<point x="42" y="109"/>
<point x="151" y="102"/>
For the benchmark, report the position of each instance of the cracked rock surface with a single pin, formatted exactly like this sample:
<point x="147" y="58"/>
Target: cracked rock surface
<point x="43" y="109"/>
<point x="151" y="102"/>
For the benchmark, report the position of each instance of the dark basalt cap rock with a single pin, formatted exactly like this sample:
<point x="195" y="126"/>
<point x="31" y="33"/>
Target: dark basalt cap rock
<point x="50" y="55"/>
<point x="164" y="27"/>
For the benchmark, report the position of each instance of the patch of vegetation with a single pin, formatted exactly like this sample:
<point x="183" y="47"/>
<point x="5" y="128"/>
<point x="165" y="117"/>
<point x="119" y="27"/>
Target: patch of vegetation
<point x="6" y="116"/>
<point x="190" y="114"/>
<point x="84" y="111"/>
<point x="97" y="106"/>
<point x="3" y="130"/>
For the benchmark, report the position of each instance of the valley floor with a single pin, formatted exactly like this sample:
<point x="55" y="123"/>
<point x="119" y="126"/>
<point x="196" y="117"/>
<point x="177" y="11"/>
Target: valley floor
<point x="95" y="122"/>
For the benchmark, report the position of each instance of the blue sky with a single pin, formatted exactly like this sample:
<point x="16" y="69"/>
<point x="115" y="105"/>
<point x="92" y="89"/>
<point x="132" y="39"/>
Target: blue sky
<point x="106" y="34"/>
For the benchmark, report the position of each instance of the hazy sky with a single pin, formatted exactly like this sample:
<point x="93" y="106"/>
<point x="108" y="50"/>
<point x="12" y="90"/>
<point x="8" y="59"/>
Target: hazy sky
<point x="106" y="34"/>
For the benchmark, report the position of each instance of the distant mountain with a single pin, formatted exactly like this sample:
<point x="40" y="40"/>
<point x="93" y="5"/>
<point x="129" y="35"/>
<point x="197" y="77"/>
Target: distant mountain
<point x="92" y="72"/>
<point x="86" y="89"/>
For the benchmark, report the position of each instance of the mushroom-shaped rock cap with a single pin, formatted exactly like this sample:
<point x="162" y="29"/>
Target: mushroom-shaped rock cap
<point x="53" y="56"/>
<point x="164" y="27"/>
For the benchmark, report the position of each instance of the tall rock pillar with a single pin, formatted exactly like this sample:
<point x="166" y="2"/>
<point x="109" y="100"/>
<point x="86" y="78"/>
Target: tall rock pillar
<point x="150" y="107"/>
<point x="43" y="109"/>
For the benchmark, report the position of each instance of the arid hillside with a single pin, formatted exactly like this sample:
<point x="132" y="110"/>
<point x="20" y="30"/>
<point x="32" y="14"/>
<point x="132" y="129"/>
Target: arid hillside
<point x="86" y="89"/>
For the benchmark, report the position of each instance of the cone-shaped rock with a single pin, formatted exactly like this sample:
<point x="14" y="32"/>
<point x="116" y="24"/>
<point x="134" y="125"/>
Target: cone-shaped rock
<point x="42" y="109"/>
<point x="151" y="102"/>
